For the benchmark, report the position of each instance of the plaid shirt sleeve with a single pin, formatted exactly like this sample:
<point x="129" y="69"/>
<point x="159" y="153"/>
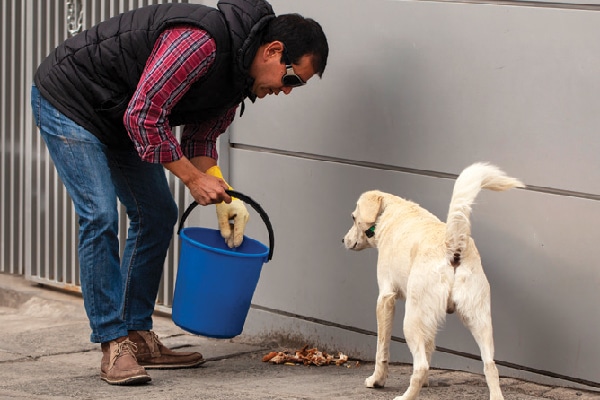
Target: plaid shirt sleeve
<point x="180" y="57"/>
<point x="201" y="139"/>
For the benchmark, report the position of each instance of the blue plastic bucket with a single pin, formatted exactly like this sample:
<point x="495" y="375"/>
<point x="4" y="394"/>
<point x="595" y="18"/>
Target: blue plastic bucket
<point x="215" y="284"/>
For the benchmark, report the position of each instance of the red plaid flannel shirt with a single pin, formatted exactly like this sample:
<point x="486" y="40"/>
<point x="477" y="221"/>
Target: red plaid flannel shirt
<point x="180" y="57"/>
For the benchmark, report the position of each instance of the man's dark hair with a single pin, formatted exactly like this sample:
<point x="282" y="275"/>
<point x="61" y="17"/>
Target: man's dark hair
<point x="301" y="36"/>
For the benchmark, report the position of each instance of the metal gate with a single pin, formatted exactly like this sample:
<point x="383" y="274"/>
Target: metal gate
<point x="39" y="229"/>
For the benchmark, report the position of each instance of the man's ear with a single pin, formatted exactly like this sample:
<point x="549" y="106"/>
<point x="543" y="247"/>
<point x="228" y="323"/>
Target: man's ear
<point x="274" y="48"/>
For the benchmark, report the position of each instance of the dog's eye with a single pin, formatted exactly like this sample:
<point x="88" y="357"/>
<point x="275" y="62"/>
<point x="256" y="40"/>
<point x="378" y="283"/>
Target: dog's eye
<point x="353" y="219"/>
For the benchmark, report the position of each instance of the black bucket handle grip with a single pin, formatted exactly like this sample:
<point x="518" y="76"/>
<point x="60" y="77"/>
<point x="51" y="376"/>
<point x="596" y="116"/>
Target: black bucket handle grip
<point x="245" y="199"/>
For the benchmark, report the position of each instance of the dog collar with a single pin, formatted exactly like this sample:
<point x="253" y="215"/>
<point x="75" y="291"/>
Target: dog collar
<point x="370" y="232"/>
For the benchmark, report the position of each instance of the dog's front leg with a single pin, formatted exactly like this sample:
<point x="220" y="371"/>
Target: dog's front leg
<point x="386" y="304"/>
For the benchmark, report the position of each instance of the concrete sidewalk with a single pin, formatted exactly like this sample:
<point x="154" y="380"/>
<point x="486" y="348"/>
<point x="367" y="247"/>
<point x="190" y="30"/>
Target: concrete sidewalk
<point x="45" y="353"/>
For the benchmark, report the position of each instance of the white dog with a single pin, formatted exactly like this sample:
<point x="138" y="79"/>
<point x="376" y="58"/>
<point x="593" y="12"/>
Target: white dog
<point x="434" y="266"/>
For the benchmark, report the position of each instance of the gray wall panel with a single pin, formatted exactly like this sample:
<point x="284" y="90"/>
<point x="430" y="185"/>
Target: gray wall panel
<point x="434" y="86"/>
<point x="413" y="93"/>
<point x="536" y="255"/>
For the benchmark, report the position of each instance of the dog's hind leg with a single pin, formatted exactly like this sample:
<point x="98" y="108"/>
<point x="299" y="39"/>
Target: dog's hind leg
<point x="484" y="338"/>
<point x="419" y="329"/>
<point x="386" y="305"/>
<point x="429" y="349"/>
<point x="475" y="314"/>
<point x="482" y="332"/>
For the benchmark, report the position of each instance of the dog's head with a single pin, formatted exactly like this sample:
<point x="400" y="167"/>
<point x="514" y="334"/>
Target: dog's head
<point x="362" y="233"/>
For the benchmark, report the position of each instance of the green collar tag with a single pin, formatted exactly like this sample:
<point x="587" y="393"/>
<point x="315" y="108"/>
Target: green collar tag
<point x="370" y="232"/>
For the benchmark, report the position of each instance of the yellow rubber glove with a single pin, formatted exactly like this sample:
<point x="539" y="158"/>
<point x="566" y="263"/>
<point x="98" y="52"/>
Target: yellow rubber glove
<point x="232" y="217"/>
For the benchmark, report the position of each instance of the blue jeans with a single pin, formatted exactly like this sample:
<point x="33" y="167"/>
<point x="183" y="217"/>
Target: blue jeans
<point x="119" y="293"/>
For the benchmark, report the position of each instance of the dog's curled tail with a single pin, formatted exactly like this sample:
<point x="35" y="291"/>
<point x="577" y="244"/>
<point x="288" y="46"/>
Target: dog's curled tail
<point x="468" y="185"/>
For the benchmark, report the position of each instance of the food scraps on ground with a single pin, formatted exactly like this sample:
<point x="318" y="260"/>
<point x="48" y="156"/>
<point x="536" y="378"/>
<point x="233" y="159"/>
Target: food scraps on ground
<point x="306" y="356"/>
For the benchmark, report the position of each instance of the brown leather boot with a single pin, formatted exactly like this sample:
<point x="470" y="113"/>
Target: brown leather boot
<point x="119" y="365"/>
<point x="152" y="354"/>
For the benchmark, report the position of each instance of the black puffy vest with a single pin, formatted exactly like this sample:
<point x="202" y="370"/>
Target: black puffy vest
<point x="92" y="76"/>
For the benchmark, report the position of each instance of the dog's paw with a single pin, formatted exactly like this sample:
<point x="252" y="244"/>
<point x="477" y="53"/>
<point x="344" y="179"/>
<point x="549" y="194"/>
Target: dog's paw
<point x="373" y="382"/>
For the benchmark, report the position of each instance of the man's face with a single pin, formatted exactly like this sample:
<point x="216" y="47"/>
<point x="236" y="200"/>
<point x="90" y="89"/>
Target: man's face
<point x="267" y="70"/>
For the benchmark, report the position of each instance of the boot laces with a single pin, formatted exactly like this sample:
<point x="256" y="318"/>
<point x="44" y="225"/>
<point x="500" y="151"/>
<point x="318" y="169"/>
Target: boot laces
<point x="122" y="349"/>
<point x="155" y="339"/>
<point x="153" y="343"/>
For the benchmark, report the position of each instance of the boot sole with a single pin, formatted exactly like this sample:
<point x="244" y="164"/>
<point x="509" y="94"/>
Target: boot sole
<point x="132" y="380"/>
<point x="172" y="366"/>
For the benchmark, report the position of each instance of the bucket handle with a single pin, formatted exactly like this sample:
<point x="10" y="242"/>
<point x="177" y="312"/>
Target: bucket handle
<point x="245" y="199"/>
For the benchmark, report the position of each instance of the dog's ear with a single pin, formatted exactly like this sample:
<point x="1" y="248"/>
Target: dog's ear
<point x="370" y="206"/>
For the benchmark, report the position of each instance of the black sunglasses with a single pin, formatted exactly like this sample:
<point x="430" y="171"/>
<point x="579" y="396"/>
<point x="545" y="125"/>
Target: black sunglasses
<point x="290" y="78"/>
